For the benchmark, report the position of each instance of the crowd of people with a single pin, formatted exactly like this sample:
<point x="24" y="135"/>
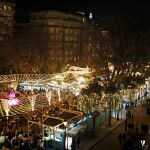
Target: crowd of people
<point x="16" y="138"/>
<point x="135" y="133"/>
<point x="21" y="140"/>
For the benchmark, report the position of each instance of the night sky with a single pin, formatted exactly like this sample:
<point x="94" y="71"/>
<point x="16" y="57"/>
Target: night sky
<point x="99" y="7"/>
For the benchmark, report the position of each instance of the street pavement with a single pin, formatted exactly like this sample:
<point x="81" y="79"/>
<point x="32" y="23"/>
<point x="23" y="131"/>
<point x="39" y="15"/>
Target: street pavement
<point x="101" y="133"/>
<point x="106" y="138"/>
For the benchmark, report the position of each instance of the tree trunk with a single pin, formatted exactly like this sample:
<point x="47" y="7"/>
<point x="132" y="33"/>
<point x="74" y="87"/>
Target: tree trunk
<point x="94" y="119"/>
<point x="117" y="114"/>
<point x="109" y="121"/>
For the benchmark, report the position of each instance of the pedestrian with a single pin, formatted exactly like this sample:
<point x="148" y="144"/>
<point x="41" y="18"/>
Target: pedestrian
<point x="142" y="128"/>
<point x="124" y="138"/>
<point x="132" y="115"/>
<point x="135" y="102"/>
<point x="129" y="114"/>
<point x="126" y="124"/>
<point x="73" y="145"/>
<point x="78" y="141"/>
<point x="41" y="144"/>
<point x="132" y="127"/>
<point x="148" y="111"/>
<point x="136" y="127"/>
<point x="120" y="138"/>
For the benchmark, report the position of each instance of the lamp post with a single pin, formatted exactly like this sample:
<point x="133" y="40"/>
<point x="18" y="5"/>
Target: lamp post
<point x="65" y="133"/>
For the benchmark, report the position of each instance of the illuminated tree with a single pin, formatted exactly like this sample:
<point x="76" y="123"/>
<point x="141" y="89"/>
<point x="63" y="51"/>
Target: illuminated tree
<point x="93" y="87"/>
<point x="121" y="39"/>
<point x="91" y="105"/>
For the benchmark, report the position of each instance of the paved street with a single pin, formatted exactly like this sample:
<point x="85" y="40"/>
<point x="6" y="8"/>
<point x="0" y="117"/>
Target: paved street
<point x="111" y="141"/>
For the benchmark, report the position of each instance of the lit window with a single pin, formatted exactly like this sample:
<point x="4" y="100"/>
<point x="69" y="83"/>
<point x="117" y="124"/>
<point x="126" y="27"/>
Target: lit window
<point x="71" y="38"/>
<point x="70" y="52"/>
<point x="51" y="30"/>
<point x="66" y="31"/>
<point x="74" y="45"/>
<point x="66" y="52"/>
<point x="57" y="37"/>
<point x="56" y="31"/>
<point x="9" y="8"/>
<point x="4" y="7"/>
<point x="66" y="38"/>
<point x="66" y="59"/>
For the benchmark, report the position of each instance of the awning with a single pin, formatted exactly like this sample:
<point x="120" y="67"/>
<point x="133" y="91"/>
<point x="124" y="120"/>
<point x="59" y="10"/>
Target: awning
<point x="75" y="130"/>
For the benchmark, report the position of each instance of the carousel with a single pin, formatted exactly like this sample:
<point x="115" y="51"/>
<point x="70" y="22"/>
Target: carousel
<point x="43" y="103"/>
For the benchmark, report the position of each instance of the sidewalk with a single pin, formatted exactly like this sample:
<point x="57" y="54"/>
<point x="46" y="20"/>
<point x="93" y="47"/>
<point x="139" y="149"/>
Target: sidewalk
<point x="100" y="133"/>
<point x="87" y="142"/>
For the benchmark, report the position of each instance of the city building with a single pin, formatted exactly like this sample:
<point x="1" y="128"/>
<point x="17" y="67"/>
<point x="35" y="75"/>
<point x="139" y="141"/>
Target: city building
<point x="64" y="35"/>
<point x="6" y="19"/>
<point x="53" y="40"/>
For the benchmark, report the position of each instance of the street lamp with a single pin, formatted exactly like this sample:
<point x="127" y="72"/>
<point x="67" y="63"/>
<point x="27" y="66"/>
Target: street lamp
<point x="65" y="124"/>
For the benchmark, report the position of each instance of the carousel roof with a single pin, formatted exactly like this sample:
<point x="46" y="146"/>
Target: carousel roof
<point x="15" y="100"/>
<point x="37" y="78"/>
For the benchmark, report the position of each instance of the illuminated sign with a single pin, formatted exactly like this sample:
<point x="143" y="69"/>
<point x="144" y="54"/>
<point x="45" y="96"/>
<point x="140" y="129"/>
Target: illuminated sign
<point x="13" y="101"/>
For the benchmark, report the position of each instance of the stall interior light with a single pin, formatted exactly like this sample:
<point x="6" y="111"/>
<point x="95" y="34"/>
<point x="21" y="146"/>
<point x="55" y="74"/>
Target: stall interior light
<point x="65" y="123"/>
<point x="82" y="120"/>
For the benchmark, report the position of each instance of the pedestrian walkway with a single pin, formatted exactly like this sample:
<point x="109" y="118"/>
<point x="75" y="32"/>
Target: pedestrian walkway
<point x="104" y="130"/>
<point x="100" y="134"/>
<point x="107" y="138"/>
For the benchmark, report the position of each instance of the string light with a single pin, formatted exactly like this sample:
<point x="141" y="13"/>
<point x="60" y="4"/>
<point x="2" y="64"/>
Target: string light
<point x="30" y="99"/>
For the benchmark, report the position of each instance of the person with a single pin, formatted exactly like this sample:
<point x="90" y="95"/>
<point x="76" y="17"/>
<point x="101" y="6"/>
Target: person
<point x="132" y="114"/>
<point x="148" y="111"/>
<point x="73" y="145"/>
<point x="126" y="124"/>
<point x="78" y="141"/>
<point x="120" y="138"/>
<point x="135" y="102"/>
<point x="145" y="94"/>
<point x="124" y="138"/>
<point x="41" y="145"/>
<point x="142" y="128"/>
<point x="136" y="127"/>
<point x="132" y="127"/>
<point x="142" y="104"/>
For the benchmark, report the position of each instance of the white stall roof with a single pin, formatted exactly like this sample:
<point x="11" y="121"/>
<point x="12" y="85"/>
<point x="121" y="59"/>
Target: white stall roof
<point x="75" y="130"/>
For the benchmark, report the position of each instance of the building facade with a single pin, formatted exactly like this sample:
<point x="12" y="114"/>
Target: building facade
<point x="6" y="19"/>
<point x="48" y="43"/>
<point x="63" y="36"/>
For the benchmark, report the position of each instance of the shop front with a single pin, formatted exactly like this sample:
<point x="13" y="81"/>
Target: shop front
<point x="63" y="137"/>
